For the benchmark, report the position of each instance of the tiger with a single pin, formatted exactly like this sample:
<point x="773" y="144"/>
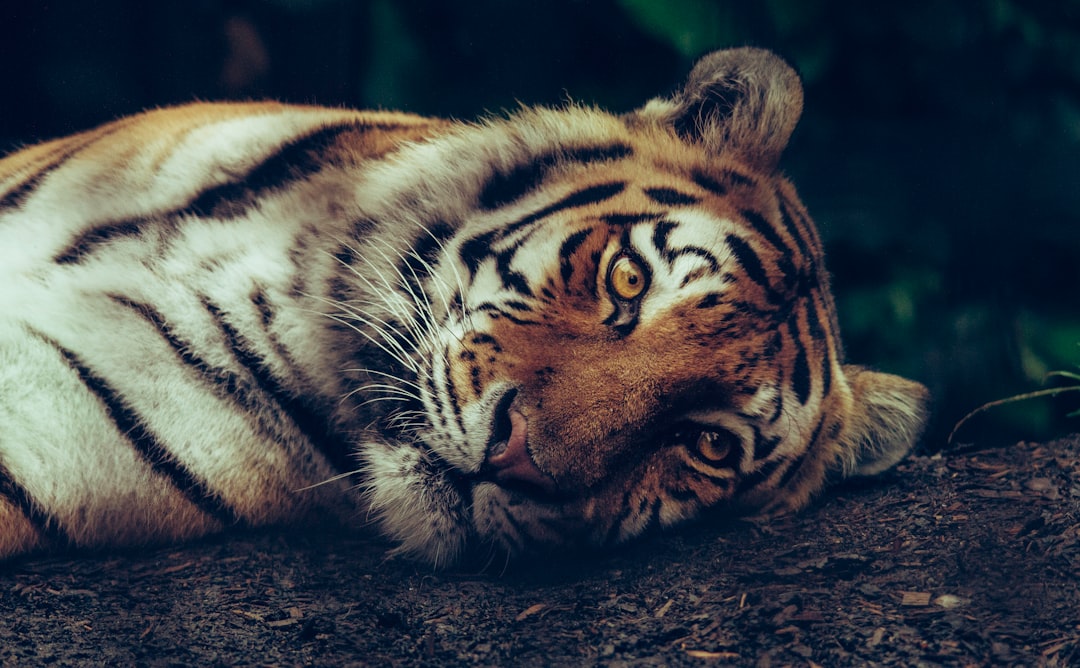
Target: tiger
<point x="551" y="328"/>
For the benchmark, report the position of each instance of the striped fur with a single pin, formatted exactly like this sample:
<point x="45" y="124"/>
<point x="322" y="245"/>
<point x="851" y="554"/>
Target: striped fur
<point x="226" y="315"/>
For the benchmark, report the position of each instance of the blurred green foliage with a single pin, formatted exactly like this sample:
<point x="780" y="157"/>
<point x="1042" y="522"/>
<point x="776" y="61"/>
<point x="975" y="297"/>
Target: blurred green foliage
<point x="938" y="151"/>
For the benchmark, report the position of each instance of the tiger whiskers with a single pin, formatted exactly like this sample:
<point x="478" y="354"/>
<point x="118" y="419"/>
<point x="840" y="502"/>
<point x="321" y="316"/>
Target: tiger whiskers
<point x="465" y="317"/>
<point x="438" y="282"/>
<point x="414" y="314"/>
<point x="395" y="350"/>
<point x="331" y="479"/>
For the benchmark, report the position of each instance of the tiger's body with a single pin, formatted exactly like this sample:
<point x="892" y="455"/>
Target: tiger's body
<point x="560" y="328"/>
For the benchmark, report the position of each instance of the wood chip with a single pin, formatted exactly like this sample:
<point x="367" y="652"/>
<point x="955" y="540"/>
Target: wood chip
<point x="702" y="654"/>
<point x="176" y="568"/>
<point x="879" y="635"/>
<point x="530" y="611"/>
<point x="915" y="599"/>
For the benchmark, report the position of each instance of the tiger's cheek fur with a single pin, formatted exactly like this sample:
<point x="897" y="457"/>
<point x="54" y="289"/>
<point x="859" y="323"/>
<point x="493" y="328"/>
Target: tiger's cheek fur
<point x="596" y="400"/>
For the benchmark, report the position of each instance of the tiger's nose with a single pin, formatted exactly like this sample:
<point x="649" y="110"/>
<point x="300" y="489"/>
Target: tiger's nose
<point x="508" y="460"/>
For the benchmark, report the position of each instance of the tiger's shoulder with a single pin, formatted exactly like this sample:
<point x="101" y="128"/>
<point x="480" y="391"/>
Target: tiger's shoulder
<point x="219" y="140"/>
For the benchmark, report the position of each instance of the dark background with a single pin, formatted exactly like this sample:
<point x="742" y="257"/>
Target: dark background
<point x="938" y="152"/>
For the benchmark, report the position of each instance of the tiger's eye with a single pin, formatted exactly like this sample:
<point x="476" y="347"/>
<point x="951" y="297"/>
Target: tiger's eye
<point x="713" y="446"/>
<point x="627" y="278"/>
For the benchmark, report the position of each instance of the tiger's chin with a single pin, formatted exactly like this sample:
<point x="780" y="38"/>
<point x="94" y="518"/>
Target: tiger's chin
<point x="417" y="501"/>
<point x="443" y="516"/>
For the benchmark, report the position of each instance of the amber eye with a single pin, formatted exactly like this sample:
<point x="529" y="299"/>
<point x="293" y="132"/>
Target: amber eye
<point x="713" y="446"/>
<point x="627" y="278"/>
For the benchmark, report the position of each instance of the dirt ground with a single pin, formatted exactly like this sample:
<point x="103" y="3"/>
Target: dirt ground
<point x="968" y="559"/>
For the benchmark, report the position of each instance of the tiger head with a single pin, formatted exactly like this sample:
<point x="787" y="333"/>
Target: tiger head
<point x="627" y="320"/>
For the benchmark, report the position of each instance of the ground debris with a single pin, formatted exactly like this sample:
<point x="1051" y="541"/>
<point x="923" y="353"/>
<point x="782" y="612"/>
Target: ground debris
<point x="953" y="559"/>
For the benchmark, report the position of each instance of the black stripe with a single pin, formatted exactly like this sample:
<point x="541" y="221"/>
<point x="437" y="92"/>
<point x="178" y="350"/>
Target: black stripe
<point x="793" y="279"/>
<point x="434" y="393"/>
<point x="710" y="300"/>
<point x="800" y="373"/>
<point x="347" y="254"/>
<point x="793" y="469"/>
<point x="698" y="251"/>
<point x="612" y="534"/>
<point x="16" y="196"/>
<point x="477" y="249"/>
<point x="292" y="161"/>
<point x="685" y="494"/>
<point x="339" y="289"/>
<point x="518" y="306"/>
<point x="312" y="425"/>
<point x="739" y="179"/>
<point x="504" y="188"/>
<point x="426" y="250"/>
<point x="420" y="261"/>
<point x="524" y="537"/>
<point x="660" y="236"/>
<point x="487" y="340"/>
<point x="652" y="524"/>
<point x="764" y="446"/>
<point x="348" y="251"/>
<point x="451" y="392"/>
<point x="212" y="375"/>
<point x="566" y="252"/>
<point x="752" y="317"/>
<point x="766" y="230"/>
<point x="817" y="333"/>
<point x="494" y="312"/>
<point x="591" y="195"/>
<point x="722" y="184"/>
<point x="709" y="183"/>
<point x="670" y="197"/>
<point x="643" y="504"/>
<point x="133" y="426"/>
<point x="756" y="478"/>
<point x="86" y="242"/>
<point x="800" y="222"/>
<point x="796" y="234"/>
<point x="624" y="219"/>
<point x="47" y="526"/>
<point x="778" y="407"/>
<point x="266" y="311"/>
<point x="748" y="259"/>
<point x="512" y="280"/>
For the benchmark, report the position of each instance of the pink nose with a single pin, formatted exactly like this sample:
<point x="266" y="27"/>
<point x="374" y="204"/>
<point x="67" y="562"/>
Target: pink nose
<point x="510" y="461"/>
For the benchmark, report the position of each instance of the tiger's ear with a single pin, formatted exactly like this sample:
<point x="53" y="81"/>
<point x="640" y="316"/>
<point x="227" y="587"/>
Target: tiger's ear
<point x="745" y="101"/>
<point x="888" y="414"/>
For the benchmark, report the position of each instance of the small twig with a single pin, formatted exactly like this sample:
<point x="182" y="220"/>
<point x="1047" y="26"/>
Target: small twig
<point x="1050" y="392"/>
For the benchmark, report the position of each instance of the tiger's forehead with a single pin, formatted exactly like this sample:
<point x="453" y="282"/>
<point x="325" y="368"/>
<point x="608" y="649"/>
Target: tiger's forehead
<point x="642" y="187"/>
<point x="538" y="148"/>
